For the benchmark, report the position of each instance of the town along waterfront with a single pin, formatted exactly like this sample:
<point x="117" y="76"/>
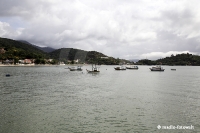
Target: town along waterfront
<point x="54" y="99"/>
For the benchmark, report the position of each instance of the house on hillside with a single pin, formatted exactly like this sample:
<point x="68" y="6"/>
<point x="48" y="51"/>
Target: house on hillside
<point x="76" y="61"/>
<point x="8" y="62"/>
<point x="28" y="61"/>
<point x="49" y="60"/>
<point x="21" y="61"/>
<point x="2" y="51"/>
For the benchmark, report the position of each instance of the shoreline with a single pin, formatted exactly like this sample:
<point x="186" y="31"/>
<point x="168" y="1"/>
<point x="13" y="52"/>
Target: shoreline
<point x="2" y="65"/>
<point x="33" y="65"/>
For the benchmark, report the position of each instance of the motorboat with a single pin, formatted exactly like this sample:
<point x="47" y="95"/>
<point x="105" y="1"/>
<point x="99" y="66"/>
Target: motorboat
<point x="120" y="68"/>
<point x="75" y="69"/>
<point x="132" y="67"/>
<point x="157" y="68"/>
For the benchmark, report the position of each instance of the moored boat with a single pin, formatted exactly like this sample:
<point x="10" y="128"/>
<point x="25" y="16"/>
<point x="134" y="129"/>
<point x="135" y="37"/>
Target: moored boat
<point x="132" y="67"/>
<point x="120" y="68"/>
<point x="157" y="68"/>
<point x="75" y="69"/>
<point x="95" y="69"/>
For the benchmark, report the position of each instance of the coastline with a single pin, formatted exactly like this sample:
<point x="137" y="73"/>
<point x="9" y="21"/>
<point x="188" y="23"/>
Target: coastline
<point x="33" y="65"/>
<point x="2" y="65"/>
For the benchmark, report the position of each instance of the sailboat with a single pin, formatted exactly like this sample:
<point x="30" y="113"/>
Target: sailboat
<point x="94" y="69"/>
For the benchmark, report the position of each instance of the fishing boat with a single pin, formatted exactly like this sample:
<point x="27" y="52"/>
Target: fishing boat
<point x="79" y="68"/>
<point x="95" y="69"/>
<point x="157" y="68"/>
<point x="75" y="69"/>
<point x="173" y="69"/>
<point x="132" y="67"/>
<point x="120" y="68"/>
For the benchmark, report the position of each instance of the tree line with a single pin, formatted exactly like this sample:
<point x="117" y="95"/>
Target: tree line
<point x="179" y="59"/>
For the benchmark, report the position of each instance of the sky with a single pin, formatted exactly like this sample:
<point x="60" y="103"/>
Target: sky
<point x="128" y="29"/>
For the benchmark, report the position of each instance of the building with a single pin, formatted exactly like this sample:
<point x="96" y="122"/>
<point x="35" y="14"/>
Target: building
<point x="27" y="61"/>
<point x="8" y="62"/>
<point x="2" y="51"/>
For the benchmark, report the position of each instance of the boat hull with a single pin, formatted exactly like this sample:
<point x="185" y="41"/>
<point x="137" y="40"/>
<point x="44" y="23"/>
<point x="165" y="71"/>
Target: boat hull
<point x="120" y="68"/>
<point x="75" y="69"/>
<point x="157" y="69"/>
<point x="94" y="71"/>
<point x="132" y="68"/>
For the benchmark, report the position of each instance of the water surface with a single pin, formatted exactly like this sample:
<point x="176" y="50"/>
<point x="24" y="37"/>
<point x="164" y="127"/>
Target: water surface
<point x="56" y="100"/>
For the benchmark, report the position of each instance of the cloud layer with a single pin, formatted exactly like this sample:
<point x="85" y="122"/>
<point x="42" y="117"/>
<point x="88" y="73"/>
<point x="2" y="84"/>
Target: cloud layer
<point x="127" y="29"/>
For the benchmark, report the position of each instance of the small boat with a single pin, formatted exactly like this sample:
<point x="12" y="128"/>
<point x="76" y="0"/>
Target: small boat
<point x="157" y="68"/>
<point x="75" y="69"/>
<point x="79" y="68"/>
<point x="120" y="68"/>
<point x="132" y="67"/>
<point x="94" y="69"/>
<point x="173" y="69"/>
<point x="7" y="75"/>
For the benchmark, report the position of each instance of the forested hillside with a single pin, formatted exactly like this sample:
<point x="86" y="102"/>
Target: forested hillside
<point x="18" y="50"/>
<point x="179" y="59"/>
<point x="71" y="54"/>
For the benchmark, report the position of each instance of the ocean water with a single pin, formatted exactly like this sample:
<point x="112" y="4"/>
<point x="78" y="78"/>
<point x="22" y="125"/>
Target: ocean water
<point x="56" y="100"/>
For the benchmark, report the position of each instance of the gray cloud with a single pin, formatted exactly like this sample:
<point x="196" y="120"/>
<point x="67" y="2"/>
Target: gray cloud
<point x="125" y="29"/>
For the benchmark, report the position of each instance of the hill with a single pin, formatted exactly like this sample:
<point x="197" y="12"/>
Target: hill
<point x="19" y="50"/>
<point x="44" y="49"/>
<point x="12" y="49"/>
<point x="179" y="59"/>
<point x="71" y="54"/>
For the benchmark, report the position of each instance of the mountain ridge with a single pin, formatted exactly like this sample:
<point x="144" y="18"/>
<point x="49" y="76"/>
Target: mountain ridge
<point x="17" y="50"/>
<point x="45" y="49"/>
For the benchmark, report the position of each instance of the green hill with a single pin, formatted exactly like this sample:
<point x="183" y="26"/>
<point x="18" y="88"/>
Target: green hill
<point x="179" y="59"/>
<point x="12" y="49"/>
<point x="44" y="49"/>
<point x="71" y="54"/>
<point x="18" y="50"/>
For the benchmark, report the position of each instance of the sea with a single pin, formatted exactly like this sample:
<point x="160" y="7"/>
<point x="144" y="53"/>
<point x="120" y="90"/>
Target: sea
<point x="53" y="99"/>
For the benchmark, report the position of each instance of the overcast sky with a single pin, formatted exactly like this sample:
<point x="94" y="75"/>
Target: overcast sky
<point x="129" y="29"/>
